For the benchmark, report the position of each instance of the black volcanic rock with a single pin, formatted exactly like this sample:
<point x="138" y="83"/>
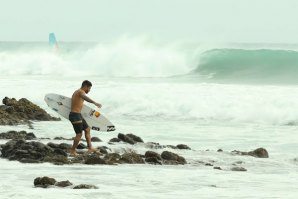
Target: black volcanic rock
<point x="183" y="146"/>
<point x="19" y="149"/>
<point x="95" y="139"/>
<point x="44" y="182"/>
<point x="172" y="158"/>
<point x="85" y="186"/>
<point x="135" y="138"/>
<point x="15" y="112"/>
<point x="258" y="153"/>
<point x="65" y="183"/>
<point x="17" y="135"/>
<point x="126" y="138"/>
<point x="131" y="158"/>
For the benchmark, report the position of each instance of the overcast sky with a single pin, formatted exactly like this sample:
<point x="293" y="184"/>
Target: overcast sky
<point x="274" y="21"/>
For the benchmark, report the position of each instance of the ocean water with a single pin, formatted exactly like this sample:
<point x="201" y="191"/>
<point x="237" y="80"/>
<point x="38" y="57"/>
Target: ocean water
<point x="210" y="97"/>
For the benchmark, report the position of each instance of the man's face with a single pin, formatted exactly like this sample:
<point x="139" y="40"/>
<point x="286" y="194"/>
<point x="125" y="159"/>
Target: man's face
<point x="87" y="90"/>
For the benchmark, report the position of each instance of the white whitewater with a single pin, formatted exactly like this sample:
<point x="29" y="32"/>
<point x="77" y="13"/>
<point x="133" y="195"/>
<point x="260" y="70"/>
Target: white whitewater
<point x="203" y="116"/>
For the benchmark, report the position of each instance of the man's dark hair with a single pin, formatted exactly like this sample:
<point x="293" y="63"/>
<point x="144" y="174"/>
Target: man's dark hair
<point x="86" y="83"/>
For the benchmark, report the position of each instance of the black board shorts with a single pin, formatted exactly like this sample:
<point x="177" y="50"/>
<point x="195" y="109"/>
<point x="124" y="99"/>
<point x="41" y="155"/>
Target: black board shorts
<point x="78" y="127"/>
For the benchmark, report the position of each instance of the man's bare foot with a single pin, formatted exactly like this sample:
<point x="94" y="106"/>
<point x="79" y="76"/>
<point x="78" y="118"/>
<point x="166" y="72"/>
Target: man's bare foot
<point x="73" y="153"/>
<point x="93" y="150"/>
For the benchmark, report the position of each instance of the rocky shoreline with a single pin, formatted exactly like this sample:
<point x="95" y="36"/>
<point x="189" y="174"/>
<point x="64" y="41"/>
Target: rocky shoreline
<point x="27" y="148"/>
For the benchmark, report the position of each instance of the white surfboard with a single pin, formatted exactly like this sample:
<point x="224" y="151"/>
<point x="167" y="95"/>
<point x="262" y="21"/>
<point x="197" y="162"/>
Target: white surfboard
<point x="61" y="104"/>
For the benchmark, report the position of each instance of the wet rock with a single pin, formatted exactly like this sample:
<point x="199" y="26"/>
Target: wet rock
<point x="30" y="136"/>
<point x="17" y="135"/>
<point x="183" y="146"/>
<point x="44" y="182"/>
<point x="103" y="149"/>
<point x="62" y="138"/>
<point x="42" y="138"/>
<point x="7" y="148"/>
<point x="212" y="185"/>
<point x="112" y="158"/>
<point x="23" y="153"/>
<point x="56" y="159"/>
<point x="85" y="186"/>
<point x="238" y="169"/>
<point x="63" y="184"/>
<point x="7" y="119"/>
<point x="154" y="145"/>
<point x="8" y="109"/>
<point x="150" y="154"/>
<point x="29" y="161"/>
<point x="15" y="112"/>
<point x="135" y="138"/>
<point x="82" y="146"/>
<point x="172" y="147"/>
<point x="27" y="146"/>
<point x="258" y="153"/>
<point x="95" y="139"/>
<point x="219" y="150"/>
<point x="169" y="156"/>
<point x="33" y="152"/>
<point x="115" y="140"/>
<point x="60" y="152"/>
<point x="94" y="159"/>
<point x="126" y="139"/>
<point x="65" y="146"/>
<point x="59" y="138"/>
<point x="79" y="159"/>
<point x="37" y="152"/>
<point x="53" y="145"/>
<point x="61" y="148"/>
<point x="170" y="162"/>
<point x="181" y="160"/>
<point x="131" y="158"/>
<point x="153" y="160"/>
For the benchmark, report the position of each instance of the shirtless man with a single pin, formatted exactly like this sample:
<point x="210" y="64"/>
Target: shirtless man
<point x="75" y="117"/>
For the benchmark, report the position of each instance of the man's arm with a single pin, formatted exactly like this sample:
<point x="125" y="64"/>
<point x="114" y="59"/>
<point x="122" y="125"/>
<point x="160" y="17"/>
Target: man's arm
<point x="85" y="97"/>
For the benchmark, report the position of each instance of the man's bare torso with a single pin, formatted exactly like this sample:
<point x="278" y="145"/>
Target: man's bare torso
<point x="77" y="101"/>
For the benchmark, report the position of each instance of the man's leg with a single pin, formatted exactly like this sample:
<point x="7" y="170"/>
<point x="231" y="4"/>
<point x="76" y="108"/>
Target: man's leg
<point x="88" y="139"/>
<point x="76" y="142"/>
<point x="78" y="130"/>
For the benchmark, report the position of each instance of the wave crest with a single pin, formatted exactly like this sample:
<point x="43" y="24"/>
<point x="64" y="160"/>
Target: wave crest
<point x="242" y="64"/>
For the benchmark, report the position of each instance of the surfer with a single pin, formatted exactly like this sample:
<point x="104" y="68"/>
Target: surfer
<point x="75" y="117"/>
